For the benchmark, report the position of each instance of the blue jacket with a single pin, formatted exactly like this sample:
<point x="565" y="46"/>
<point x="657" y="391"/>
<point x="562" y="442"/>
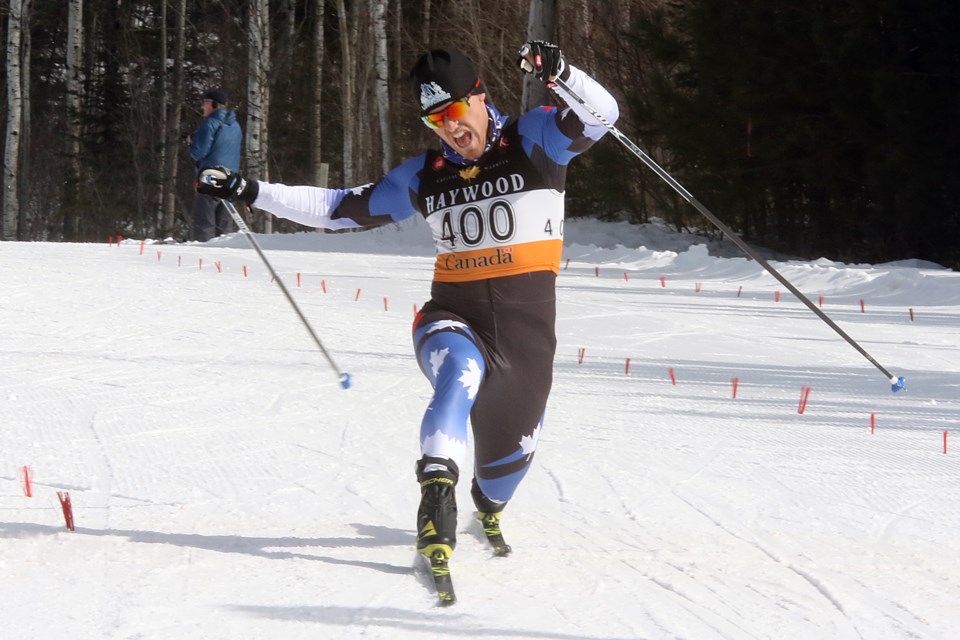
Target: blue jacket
<point x="217" y="141"/>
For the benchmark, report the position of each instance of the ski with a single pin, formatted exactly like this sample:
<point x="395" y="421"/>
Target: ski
<point x="491" y="529"/>
<point x="440" y="570"/>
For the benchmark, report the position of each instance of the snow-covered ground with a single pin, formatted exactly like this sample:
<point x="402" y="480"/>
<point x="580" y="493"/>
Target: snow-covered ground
<point x="223" y="485"/>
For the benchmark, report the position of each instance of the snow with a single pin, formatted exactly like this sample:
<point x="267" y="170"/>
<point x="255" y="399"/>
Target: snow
<point x="223" y="484"/>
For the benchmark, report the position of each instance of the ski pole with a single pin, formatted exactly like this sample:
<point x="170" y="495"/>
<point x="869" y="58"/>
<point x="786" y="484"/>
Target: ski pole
<point x="343" y="377"/>
<point x="897" y="383"/>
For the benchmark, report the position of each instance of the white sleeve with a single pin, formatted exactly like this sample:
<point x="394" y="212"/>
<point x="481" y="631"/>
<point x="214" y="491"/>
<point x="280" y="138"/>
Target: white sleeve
<point x="310" y="206"/>
<point x="594" y="95"/>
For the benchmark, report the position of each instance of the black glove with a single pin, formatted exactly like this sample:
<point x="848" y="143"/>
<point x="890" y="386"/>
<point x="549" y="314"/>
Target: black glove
<point x="543" y="60"/>
<point x="222" y="183"/>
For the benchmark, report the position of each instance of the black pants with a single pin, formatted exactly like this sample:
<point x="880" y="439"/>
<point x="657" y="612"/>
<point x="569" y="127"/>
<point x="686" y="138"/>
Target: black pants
<point x="210" y="218"/>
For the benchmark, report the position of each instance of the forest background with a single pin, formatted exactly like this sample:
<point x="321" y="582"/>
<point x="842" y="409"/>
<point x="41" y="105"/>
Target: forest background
<point x="812" y="128"/>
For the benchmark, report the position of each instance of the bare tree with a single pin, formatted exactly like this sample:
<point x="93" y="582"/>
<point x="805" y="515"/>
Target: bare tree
<point x="379" y="10"/>
<point x="426" y="21"/>
<point x="171" y="120"/>
<point x="347" y="89"/>
<point x="541" y="25"/>
<point x="24" y="222"/>
<point x="258" y="94"/>
<point x="71" y="200"/>
<point x="320" y="168"/>
<point x="11" y="155"/>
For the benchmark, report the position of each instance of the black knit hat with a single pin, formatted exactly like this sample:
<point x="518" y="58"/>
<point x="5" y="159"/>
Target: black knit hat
<point x="216" y="95"/>
<point x="443" y="75"/>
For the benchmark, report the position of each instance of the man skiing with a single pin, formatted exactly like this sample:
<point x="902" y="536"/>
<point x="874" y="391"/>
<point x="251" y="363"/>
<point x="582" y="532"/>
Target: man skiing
<point x="493" y="194"/>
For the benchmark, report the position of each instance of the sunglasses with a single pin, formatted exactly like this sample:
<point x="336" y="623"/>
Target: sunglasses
<point x="455" y="111"/>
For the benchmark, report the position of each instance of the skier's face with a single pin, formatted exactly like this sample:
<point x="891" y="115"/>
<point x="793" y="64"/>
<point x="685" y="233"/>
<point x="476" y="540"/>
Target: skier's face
<point x="468" y="133"/>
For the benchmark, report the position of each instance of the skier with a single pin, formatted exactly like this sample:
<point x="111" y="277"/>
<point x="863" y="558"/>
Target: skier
<point x="493" y="194"/>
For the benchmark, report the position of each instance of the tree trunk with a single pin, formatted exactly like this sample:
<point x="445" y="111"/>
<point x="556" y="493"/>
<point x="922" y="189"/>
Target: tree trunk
<point x="318" y="166"/>
<point x="426" y="22"/>
<point x="24" y="223"/>
<point x="172" y="125"/>
<point x="71" y="196"/>
<point x="541" y="25"/>
<point x="348" y="90"/>
<point x="258" y="95"/>
<point x="163" y="194"/>
<point x="379" y="10"/>
<point x="11" y="154"/>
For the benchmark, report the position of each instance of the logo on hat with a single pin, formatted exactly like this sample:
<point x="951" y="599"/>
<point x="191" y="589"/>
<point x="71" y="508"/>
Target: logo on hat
<point x="431" y="95"/>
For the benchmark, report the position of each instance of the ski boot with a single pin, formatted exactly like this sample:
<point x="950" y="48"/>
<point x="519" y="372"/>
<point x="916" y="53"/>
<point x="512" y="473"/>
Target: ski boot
<point x="437" y="520"/>
<point x="488" y="513"/>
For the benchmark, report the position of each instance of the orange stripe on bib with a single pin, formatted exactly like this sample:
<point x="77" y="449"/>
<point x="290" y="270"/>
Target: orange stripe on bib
<point x="479" y="264"/>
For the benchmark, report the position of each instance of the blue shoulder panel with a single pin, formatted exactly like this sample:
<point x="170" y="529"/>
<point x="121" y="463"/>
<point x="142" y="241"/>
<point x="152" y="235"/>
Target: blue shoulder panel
<point x="540" y="127"/>
<point x="395" y="194"/>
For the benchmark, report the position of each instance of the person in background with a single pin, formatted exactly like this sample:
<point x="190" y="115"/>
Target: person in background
<point x="216" y="142"/>
<point x="493" y="194"/>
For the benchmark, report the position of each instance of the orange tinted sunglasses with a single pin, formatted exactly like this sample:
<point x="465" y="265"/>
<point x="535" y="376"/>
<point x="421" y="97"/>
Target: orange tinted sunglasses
<point x="455" y="111"/>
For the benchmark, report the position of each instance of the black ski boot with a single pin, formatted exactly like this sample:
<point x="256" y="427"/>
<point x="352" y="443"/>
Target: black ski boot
<point x="488" y="513"/>
<point x="437" y="515"/>
<point x="437" y="521"/>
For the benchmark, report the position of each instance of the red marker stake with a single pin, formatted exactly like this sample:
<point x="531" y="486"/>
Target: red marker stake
<point x="217" y="265"/>
<point x="385" y="306"/>
<point x="27" y="489"/>
<point x="697" y="287"/>
<point x="625" y="277"/>
<point x="244" y="271"/>
<point x="179" y="260"/>
<point x="873" y="422"/>
<point x="580" y="353"/>
<point x="158" y="256"/>
<point x="776" y="296"/>
<point x="663" y="282"/>
<point x="821" y="302"/>
<point x="736" y="383"/>
<point x="673" y="376"/>
<point x="67" y="508"/>
<point x="627" y="370"/>
<point x="323" y="286"/>
<point x="142" y="242"/>
<point x="862" y="306"/>
<point x="911" y="314"/>
<point x="298" y="279"/>
<point x="358" y="295"/>
<point x="201" y="264"/>
<point x="804" y="396"/>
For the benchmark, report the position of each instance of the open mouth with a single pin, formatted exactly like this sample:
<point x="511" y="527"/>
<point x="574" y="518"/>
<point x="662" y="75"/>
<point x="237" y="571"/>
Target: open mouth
<point x="462" y="139"/>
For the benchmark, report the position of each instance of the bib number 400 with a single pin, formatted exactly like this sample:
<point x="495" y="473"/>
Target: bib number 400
<point x="472" y="225"/>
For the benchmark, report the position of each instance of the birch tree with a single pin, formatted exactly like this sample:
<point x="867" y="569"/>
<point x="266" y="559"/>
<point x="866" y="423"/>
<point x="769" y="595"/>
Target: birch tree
<point x="11" y="155"/>
<point x="541" y="25"/>
<point x="71" y="196"/>
<point x="171" y="119"/>
<point x="347" y="90"/>
<point x="319" y="167"/>
<point x="24" y="222"/>
<point x="379" y="10"/>
<point x="258" y="95"/>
